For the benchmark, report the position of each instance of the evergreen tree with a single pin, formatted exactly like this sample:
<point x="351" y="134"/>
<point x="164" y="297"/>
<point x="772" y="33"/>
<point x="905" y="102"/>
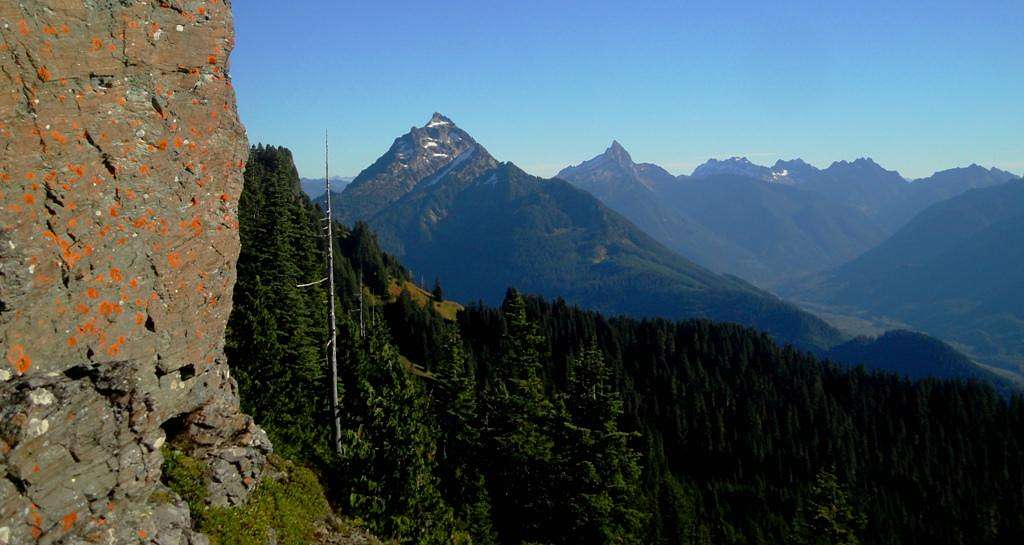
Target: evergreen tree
<point x="453" y="400"/>
<point x="367" y="258"/>
<point x="438" y="291"/>
<point x="276" y="334"/>
<point x="603" y="502"/>
<point x="519" y="439"/>
<point x="828" y="516"/>
<point x="388" y="449"/>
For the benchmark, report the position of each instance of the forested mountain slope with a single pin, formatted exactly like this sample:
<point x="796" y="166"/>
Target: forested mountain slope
<point x="914" y="355"/>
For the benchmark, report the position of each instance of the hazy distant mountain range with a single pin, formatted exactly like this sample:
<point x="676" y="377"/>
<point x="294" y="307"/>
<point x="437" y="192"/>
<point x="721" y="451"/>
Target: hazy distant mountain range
<point x="956" y="271"/>
<point x="769" y="225"/>
<point x="314" y="187"/>
<point x="727" y="220"/>
<point x="632" y="238"/>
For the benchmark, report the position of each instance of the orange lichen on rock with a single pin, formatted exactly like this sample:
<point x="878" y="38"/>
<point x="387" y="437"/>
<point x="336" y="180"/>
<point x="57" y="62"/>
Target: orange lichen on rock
<point x="174" y="260"/>
<point x="18" y="359"/>
<point x="68" y="521"/>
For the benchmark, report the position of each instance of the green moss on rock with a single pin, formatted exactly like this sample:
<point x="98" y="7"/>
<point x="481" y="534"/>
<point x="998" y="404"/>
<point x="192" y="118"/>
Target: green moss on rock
<point x="284" y="510"/>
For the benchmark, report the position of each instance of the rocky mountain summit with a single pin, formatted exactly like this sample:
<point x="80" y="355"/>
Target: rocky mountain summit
<point x="614" y="172"/>
<point x="121" y="157"/>
<point x="733" y="165"/>
<point x="412" y="159"/>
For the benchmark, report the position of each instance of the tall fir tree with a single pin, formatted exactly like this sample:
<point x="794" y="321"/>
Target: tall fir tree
<point x="438" y="291"/>
<point x="603" y="503"/>
<point x="519" y="440"/>
<point x="275" y="334"/>
<point x="388" y="460"/>
<point x="453" y="402"/>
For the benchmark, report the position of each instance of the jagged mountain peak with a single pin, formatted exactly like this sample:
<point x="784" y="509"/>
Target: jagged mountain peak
<point x="422" y="154"/>
<point x="615" y="161"/>
<point x="863" y="168"/>
<point x="860" y="163"/>
<point x="619" y="155"/>
<point x="793" y="164"/>
<point x="732" y="165"/>
<point x="614" y="172"/>
<point x="793" y="171"/>
<point x="439" y="120"/>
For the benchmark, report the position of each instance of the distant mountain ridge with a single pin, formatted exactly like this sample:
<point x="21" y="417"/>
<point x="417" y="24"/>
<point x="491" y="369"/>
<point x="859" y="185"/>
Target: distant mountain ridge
<point x="728" y="219"/>
<point x="632" y="190"/>
<point x="769" y="225"/>
<point x="733" y="165"/>
<point x="314" y="187"/>
<point x="482" y="226"/>
<point x="955" y="271"/>
<point x="883" y="195"/>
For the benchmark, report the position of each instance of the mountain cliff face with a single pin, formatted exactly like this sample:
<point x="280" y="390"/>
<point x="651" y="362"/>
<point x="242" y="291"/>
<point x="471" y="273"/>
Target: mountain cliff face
<point x="121" y="159"/>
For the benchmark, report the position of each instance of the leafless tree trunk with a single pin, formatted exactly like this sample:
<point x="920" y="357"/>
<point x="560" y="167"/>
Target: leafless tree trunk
<point x="332" y="325"/>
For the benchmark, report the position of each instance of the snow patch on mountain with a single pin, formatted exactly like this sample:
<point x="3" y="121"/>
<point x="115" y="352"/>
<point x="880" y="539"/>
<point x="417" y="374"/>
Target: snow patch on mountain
<point x="459" y="160"/>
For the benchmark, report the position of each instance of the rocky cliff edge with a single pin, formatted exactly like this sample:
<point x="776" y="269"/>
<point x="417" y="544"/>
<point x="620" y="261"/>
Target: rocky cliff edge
<point x="121" y="157"/>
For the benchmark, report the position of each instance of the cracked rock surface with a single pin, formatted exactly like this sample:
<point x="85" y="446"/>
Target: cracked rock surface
<point x="121" y="157"/>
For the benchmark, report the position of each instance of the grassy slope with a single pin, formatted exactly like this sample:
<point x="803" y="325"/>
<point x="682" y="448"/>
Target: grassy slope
<point x="447" y="309"/>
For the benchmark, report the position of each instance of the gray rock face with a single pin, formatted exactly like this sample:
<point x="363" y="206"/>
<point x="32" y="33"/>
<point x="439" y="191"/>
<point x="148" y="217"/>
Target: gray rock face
<point x="233" y="446"/>
<point x="121" y="158"/>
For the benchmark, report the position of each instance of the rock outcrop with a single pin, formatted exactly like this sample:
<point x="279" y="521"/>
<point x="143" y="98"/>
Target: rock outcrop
<point x="121" y="157"/>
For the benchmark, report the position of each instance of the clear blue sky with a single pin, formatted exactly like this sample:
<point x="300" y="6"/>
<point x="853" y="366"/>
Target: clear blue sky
<point x="919" y="86"/>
